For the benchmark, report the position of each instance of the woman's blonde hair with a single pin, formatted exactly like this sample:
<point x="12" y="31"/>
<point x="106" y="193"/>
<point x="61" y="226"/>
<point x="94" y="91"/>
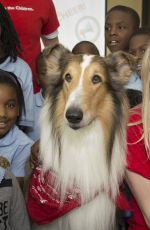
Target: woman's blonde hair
<point x="145" y="75"/>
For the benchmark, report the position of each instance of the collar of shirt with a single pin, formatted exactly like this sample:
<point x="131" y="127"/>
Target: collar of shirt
<point x="39" y="99"/>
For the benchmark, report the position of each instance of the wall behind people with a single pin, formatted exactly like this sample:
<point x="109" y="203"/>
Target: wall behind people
<point x="145" y="13"/>
<point x="81" y="20"/>
<point x="136" y="5"/>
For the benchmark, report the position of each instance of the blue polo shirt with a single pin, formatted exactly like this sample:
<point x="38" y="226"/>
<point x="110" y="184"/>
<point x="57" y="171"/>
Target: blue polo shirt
<point x="15" y="146"/>
<point x="134" y="82"/>
<point x="34" y="132"/>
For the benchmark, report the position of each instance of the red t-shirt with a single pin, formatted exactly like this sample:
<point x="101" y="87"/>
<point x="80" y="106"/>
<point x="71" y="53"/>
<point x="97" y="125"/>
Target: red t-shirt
<point x="138" y="163"/>
<point x="32" y="18"/>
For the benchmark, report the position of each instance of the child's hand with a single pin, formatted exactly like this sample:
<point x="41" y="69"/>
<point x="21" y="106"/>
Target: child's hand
<point x="34" y="156"/>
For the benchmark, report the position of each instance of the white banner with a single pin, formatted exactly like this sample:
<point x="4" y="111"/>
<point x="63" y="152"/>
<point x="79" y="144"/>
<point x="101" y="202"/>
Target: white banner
<point x="81" y="20"/>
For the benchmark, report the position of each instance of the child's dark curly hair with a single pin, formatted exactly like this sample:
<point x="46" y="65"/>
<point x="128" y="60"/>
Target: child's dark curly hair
<point x="9" y="38"/>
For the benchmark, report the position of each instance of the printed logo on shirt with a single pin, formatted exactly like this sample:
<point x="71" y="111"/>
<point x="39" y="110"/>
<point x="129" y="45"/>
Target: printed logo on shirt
<point x="4" y="215"/>
<point x="19" y="8"/>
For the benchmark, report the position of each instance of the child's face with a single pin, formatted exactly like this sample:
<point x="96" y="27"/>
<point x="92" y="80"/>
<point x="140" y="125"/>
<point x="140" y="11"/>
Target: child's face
<point x="41" y="74"/>
<point x="137" y="46"/>
<point x="118" y="30"/>
<point x="9" y="109"/>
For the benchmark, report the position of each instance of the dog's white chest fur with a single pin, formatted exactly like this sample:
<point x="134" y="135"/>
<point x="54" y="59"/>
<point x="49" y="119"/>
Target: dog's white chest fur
<point x="83" y="159"/>
<point x="90" y="217"/>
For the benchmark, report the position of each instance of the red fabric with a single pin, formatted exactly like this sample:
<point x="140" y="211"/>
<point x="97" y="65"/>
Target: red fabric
<point x="31" y="20"/>
<point x="122" y="202"/>
<point x="138" y="163"/>
<point x="44" y="203"/>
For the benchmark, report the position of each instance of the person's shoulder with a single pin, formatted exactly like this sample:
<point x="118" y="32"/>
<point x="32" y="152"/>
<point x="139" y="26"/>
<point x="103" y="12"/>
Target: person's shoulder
<point x="135" y="125"/>
<point x="22" y="70"/>
<point x="21" y="137"/>
<point x="22" y="63"/>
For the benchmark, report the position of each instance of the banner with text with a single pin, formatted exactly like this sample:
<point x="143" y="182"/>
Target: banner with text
<point x="81" y="20"/>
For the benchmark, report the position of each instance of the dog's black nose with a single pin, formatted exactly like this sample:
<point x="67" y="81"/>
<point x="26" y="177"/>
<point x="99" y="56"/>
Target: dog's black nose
<point x="74" y="115"/>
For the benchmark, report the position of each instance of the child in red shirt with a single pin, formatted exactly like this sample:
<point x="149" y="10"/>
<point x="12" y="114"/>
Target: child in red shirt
<point x="33" y="20"/>
<point x="138" y="170"/>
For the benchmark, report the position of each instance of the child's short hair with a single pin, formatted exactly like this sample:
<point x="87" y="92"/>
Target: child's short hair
<point x="10" y="79"/>
<point x="142" y="31"/>
<point x="129" y="10"/>
<point x="91" y="46"/>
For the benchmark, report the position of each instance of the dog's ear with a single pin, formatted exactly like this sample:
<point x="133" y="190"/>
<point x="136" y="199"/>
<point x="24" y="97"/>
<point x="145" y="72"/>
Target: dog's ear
<point x="52" y="56"/>
<point x="120" y="65"/>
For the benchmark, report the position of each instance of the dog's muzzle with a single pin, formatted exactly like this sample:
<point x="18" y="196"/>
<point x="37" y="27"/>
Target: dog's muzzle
<point x="74" y="116"/>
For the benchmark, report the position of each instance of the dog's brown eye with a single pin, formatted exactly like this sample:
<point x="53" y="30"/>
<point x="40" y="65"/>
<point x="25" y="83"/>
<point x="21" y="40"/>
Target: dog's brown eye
<point x="68" y="77"/>
<point x="96" y="79"/>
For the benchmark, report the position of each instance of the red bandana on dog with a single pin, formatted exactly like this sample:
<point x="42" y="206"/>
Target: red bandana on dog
<point x="44" y="202"/>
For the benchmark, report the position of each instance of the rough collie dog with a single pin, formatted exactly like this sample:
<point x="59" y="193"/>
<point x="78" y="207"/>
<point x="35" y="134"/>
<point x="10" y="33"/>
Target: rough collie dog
<point x="83" y="142"/>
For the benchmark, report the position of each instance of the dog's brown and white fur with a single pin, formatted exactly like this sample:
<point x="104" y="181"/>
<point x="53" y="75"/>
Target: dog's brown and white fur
<point x="83" y="133"/>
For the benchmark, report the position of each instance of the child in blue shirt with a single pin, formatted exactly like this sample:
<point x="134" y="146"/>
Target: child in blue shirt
<point x="14" y="144"/>
<point x="120" y="24"/>
<point x="9" y="61"/>
<point x="42" y="80"/>
<point x="138" y="45"/>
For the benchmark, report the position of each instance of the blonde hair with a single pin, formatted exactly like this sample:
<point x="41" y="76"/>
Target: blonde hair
<point x="145" y="75"/>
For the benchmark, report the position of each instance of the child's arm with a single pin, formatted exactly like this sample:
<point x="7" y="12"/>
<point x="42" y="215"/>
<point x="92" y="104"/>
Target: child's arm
<point x="34" y="156"/>
<point x="140" y="188"/>
<point x="20" y="156"/>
